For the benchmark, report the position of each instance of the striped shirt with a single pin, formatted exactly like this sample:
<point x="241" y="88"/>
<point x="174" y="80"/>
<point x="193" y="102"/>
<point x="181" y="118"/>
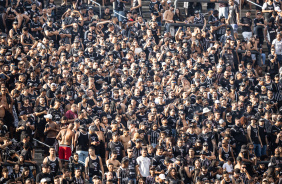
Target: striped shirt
<point x="123" y="174"/>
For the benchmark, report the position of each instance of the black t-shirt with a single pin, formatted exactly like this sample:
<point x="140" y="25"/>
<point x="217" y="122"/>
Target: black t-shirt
<point x="50" y="29"/>
<point x="41" y="175"/>
<point x="260" y="31"/>
<point x="233" y="10"/>
<point x="246" y="20"/>
<point x="118" y="147"/>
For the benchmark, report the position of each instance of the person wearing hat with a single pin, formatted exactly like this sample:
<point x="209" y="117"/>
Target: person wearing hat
<point x="84" y="103"/>
<point x="226" y="36"/>
<point x="259" y="28"/>
<point x="82" y="142"/>
<point x="254" y="137"/>
<point x="15" y="31"/>
<point x="51" y="131"/>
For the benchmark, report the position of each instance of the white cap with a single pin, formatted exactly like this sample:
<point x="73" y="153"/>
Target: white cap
<point x="43" y="180"/>
<point x="206" y="110"/>
<point x="217" y="101"/>
<point x="221" y="121"/>
<point x="48" y="116"/>
<point x="53" y="84"/>
<point x="168" y="1"/>
<point x="162" y="176"/>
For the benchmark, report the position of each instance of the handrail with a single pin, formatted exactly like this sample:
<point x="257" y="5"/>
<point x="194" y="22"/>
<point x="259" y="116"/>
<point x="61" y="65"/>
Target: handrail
<point x="42" y="143"/>
<point x="254" y="3"/>
<point x="119" y="14"/>
<point x="98" y="5"/>
<point x="193" y="25"/>
<point x="201" y="1"/>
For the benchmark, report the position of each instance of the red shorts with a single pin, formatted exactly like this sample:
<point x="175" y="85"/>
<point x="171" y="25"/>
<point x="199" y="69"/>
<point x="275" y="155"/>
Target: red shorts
<point x="64" y="152"/>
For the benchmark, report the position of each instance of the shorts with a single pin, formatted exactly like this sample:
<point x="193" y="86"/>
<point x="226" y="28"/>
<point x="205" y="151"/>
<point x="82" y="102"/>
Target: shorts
<point x="235" y="28"/>
<point x="64" y="152"/>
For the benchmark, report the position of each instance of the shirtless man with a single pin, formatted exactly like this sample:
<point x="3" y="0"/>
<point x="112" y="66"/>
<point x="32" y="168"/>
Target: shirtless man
<point x="125" y="138"/>
<point x="51" y="130"/>
<point x="66" y="139"/>
<point x="114" y="161"/>
<point x="168" y="17"/>
<point x="2" y="107"/>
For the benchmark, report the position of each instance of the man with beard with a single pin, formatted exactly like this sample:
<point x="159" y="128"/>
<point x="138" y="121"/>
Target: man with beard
<point x="238" y="133"/>
<point x="55" y="111"/>
<point x="207" y="136"/>
<point x="40" y="111"/>
<point x="74" y="165"/>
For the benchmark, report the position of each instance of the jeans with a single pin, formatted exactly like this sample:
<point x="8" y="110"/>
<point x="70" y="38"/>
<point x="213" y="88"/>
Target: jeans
<point x="82" y="155"/>
<point x="173" y="132"/>
<point x="257" y="149"/>
<point x="279" y="59"/>
<point x="223" y="11"/>
<point x="120" y="18"/>
<point x="154" y="145"/>
<point x="263" y="150"/>
<point x="263" y="57"/>
<point x="133" y="180"/>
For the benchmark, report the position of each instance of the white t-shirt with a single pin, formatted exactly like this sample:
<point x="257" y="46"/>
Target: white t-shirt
<point x="228" y="168"/>
<point x="144" y="165"/>
<point x="278" y="46"/>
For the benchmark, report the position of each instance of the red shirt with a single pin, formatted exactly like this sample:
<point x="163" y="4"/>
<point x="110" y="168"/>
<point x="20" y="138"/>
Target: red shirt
<point x="70" y="115"/>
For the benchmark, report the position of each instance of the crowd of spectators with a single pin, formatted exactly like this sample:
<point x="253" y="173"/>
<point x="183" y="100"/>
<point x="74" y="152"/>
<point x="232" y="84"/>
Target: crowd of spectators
<point x="118" y="98"/>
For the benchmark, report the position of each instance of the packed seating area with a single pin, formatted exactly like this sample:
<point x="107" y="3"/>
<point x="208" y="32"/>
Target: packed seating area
<point x="140" y="92"/>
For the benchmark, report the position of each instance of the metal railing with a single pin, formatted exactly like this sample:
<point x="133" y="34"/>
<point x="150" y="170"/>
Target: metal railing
<point x="201" y="1"/>
<point x="252" y="52"/>
<point x="42" y="143"/>
<point x="115" y="12"/>
<point x="254" y="3"/>
<point x="172" y="31"/>
<point x="100" y="10"/>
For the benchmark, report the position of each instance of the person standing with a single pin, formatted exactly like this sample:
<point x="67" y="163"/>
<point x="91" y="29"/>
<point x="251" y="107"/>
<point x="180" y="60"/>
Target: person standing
<point x="254" y="137"/>
<point x="123" y="172"/>
<point x="223" y="10"/>
<point x="233" y="17"/>
<point x="93" y="165"/>
<point x="168" y="17"/>
<point x="66" y="139"/>
<point x="51" y="130"/>
<point x="119" y="9"/>
<point x="82" y="142"/>
<point x="268" y="8"/>
<point x="137" y="6"/>
<point x="246" y="23"/>
<point x="53" y="161"/>
<point x="144" y="164"/>
<point x="277" y="44"/>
